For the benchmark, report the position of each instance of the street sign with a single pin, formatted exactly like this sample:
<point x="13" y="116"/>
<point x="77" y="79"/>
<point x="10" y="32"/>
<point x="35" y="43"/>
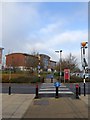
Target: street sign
<point x="38" y="67"/>
<point x="52" y="77"/>
<point x="56" y="84"/>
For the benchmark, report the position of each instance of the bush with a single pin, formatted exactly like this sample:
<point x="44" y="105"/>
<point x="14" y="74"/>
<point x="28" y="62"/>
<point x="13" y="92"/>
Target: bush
<point x="75" y="79"/>
<point x="21" y="78"/>
<point x="58" y="74"/>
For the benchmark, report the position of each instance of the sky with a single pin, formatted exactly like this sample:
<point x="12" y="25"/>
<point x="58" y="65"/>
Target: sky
<point x="44" y="27"/>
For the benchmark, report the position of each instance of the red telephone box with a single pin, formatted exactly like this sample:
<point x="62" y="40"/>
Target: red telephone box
<point x="66" y="74"/>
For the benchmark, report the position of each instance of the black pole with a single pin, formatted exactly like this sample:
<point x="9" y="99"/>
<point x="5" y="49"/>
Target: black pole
<point x="51" y="80"/>
<point x="36" y="91"/>
<point x="56" y="92"/>
<point x="77" y="95"/>
<point x="79" y="90"/>
<point x="84" y="90"/>
<point x="84" y="83"/>
<point x="84" y="70"/>
<point x="9" y="90"/>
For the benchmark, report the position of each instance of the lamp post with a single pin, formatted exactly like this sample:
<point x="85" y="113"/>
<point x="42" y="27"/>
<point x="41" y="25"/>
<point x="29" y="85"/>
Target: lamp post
<point x="39" y="66"/>
<point x="84" y="64"/>
<point x="59" y="51"/>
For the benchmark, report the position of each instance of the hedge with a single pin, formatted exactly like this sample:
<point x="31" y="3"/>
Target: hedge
<point x="24" y="79"/>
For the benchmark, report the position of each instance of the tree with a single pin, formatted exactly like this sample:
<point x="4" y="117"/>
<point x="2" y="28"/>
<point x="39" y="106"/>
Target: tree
<point x="32" y="62"/>
<point x="70" y="62"/>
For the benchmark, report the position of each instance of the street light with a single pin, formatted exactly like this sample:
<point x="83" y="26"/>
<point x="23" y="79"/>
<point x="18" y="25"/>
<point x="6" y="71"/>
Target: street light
<point x="39" y="66"/>
<point x="59" y="51"/>
<point x="84" y="63"/>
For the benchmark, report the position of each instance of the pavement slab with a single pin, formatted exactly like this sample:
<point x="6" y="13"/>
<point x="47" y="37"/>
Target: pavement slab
<point x="57" y="108"/>
<point x="15" y="105"/>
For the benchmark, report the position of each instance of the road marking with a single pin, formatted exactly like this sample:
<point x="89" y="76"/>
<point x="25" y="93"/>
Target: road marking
<point x="55" y="89"/>
<point x="64" y="92"/>
<point x="52" y="87"/>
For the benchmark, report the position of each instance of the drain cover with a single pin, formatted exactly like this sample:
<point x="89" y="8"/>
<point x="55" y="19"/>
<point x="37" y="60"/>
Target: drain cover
<point x="41" y="102"/>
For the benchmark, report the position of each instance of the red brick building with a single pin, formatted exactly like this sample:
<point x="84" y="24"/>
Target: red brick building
<point x="21" y="60"/>
<point x="26" y="61"/>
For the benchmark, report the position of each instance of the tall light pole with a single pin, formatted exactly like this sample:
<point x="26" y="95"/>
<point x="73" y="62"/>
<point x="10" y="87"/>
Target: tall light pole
<point x="39" y="66"/>
<point x="84" y="64"/>
<point x="60" y="52"/>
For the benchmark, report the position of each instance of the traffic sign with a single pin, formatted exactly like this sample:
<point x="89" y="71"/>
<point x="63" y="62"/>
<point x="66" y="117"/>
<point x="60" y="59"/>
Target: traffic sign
<point x="56" y="84"/>
<point x="38" y="67"/>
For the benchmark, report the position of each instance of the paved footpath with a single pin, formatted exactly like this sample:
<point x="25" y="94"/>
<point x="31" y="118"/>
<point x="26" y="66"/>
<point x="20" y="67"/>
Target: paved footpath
<point x="64" y="107"/>
<point x="25" y="106"/>
<point x="15" y="105"/>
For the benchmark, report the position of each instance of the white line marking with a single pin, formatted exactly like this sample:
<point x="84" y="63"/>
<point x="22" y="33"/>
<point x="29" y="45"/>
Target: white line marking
<point x="55" y="89"/>
<point x="66" y="92"/>
<point x="52" y="87"/>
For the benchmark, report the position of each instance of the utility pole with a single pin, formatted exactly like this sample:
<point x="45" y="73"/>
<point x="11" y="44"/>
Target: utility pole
<point x="39" y="66"/>
<point x="60" y="60"/>
<point x="84" y="64"/>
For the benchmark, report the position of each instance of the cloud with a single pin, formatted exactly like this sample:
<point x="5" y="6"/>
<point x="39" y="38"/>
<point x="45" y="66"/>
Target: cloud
<point x="68" y="36"/>
<point x="17" y="18"/>
<point x="52" y="27"/>
<point x="57" y="41"/>
<point x="26" y="27"/>
<point x="1" y="25"/>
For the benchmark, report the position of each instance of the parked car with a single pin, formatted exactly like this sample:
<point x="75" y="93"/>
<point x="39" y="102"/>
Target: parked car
<point x="87" y="76"/>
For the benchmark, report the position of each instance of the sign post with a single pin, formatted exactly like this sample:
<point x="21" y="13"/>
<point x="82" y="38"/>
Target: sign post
<point x="56" y="84"/>
<point x="84" y="64"/>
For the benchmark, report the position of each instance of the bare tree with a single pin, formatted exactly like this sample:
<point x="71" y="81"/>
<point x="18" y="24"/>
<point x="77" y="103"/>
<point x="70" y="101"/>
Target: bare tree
<point x="31" y="62"/>
<point x="69" y="62"/>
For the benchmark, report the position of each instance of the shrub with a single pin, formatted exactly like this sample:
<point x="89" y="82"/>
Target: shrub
<point x="75" y="79"/>
<point x="21" y="79"/>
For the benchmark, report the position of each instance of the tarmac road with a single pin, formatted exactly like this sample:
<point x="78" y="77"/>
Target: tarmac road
<point x="71" y="86"/>
<point x="19" y="88"/>
<point x="30" y="88"/>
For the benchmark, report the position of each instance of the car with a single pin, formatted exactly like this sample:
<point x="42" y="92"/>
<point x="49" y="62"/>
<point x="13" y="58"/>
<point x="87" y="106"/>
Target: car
<point x="87" y="76"/>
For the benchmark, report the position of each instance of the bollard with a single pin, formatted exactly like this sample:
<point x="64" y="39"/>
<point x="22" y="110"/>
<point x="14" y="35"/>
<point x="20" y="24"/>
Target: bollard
<point x="9" y="90"/>
<point x="43" y="80"/>
<point x="77" y="91"/>
<point x="51" y="80"/>
<point x="56" y="92"/>
<point x="84" y="90"/>
<point x="36" y="91"/>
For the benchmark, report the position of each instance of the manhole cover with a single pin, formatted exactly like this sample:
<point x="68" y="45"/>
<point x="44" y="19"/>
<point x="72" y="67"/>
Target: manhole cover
<point x="41" y="102"/>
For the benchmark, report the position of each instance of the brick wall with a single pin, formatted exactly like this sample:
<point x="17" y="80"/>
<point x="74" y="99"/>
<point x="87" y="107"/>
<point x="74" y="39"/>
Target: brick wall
<point x="15" y="59"/>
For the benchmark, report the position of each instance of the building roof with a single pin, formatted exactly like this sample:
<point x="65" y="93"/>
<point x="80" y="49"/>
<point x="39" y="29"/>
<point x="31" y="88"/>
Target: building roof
<point x="22" y="54"/>
<point x="14" y="53"/>
<point x="44" y="55"/>
<point x="52" y="61"/>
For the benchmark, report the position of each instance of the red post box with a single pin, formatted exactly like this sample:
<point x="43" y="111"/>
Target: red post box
<point x="66" y="74"/>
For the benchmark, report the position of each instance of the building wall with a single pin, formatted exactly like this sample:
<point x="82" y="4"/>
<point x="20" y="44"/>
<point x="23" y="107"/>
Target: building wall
<point x="15" y="59"/>
<point x="52" y="64"/>
<point x="45" y="60"/>
<point x="21" y="60"/>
